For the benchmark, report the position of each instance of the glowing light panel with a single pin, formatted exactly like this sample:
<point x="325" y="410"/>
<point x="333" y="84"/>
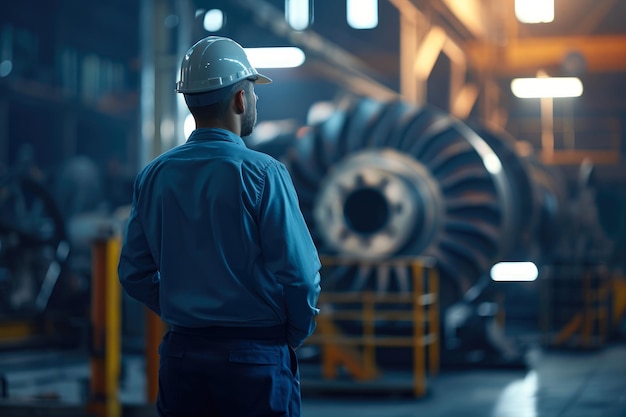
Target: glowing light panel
<point x="514" y="271"/>
<point x="280" y="57"/>
<point x="547" y="87"/>
<point x="298" y="14"/>
<point x="362" y="14"/>
<point x="534" y="11"/>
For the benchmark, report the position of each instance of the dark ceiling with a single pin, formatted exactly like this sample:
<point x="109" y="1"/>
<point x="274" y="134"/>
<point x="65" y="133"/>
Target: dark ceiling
<point x="336" y="53"/>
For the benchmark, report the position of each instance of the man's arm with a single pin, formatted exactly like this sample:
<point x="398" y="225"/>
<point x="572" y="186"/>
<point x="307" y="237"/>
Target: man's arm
<point x="137" y="270"/>
<point x="290" y="253"/>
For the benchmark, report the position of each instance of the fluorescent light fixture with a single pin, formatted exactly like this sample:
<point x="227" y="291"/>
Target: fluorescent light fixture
<point x="362" y="14"/>
<point x="213" y="20"/>
<point x="514" y="271"/>
<point x="547" y="87"/>
<point x="298" y="13"/>
<point x="280" y="57"/>
<point x="534" y="11"/>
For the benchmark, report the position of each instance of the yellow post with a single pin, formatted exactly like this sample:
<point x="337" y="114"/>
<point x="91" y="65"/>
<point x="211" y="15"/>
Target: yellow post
<point x="369" y="350"/>
<point x="105" y="360"/>
<point x="433" y="314"/>
<point x="113" y="347"/>
<point x="419" y="373"/>
<point x="618" y="292"/>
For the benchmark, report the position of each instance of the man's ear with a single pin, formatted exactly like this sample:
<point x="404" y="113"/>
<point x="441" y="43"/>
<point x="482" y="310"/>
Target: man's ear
<point x="240" y="101"/>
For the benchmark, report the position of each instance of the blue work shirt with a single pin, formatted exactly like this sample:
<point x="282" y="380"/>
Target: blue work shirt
<point x="216" y="238"/>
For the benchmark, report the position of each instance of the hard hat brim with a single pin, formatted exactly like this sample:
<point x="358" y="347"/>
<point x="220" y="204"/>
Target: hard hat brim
<point x="262" y="79"/>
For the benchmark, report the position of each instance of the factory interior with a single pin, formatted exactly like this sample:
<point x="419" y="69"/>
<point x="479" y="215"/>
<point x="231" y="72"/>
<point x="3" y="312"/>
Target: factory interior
<point x="461" y="166"/>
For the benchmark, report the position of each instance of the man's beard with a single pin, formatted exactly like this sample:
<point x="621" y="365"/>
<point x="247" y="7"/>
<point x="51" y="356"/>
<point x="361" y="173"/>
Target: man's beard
<point x="249" y="121"/>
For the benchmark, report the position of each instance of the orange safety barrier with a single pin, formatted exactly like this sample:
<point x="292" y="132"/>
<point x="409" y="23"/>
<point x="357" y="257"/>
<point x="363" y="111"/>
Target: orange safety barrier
<point x="357" y="353"/>
<point x="576" y="307"/>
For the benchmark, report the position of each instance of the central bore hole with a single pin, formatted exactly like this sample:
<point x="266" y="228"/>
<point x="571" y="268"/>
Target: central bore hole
<point x="366" y="211"/>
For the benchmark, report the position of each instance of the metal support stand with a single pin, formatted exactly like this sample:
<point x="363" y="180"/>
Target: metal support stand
<point x="357" y="353"/>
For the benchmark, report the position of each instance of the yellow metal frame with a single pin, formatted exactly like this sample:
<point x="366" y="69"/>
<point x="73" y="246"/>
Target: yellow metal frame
<point x="338" y="349"/>
<point x="619" y="299"/>
<point x="106" y="307"/>
<point x="589" y="326"/>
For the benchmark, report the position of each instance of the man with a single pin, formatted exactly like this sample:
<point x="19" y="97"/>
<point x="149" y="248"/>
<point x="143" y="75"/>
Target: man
<point x="216" y="245"/>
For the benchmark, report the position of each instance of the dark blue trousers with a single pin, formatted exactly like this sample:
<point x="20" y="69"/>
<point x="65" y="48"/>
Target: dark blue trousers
<point x="228" y="372"/>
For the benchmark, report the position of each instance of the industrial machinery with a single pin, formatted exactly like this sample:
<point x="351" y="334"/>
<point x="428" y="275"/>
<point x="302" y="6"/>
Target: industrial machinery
<point x="33" y="248"/>
<point x="46" y="231"/>
<point x="380" y="180"/>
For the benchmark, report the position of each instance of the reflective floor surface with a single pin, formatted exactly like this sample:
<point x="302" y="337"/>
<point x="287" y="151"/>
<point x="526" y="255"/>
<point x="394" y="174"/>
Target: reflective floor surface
<point x="556" y="384"/>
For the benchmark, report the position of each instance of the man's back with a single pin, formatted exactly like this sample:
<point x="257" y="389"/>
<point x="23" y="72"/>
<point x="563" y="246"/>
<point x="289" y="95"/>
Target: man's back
<point x="199" y="204"/>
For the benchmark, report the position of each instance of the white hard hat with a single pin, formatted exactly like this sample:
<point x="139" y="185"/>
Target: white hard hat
<point x="213" y="63"/>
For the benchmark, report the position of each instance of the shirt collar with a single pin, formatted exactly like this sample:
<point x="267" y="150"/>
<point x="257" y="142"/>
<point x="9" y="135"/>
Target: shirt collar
<point x="214" y="134"/>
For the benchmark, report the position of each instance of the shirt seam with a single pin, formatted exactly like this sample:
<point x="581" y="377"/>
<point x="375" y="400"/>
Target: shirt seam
<point x="262" y="187"/>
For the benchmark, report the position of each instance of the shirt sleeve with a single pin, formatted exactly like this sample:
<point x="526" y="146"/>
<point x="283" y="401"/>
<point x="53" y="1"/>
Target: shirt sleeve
<point x="289" y="252"/>
<point x="137" y="271"/>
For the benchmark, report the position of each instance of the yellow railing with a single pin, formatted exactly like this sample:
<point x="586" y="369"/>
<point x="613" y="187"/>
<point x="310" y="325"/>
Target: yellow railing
<point x="357" y="353"/>
<point x="576" y="307"/>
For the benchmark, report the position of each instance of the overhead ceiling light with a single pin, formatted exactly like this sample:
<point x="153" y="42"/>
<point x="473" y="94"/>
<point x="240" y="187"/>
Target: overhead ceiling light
<point x="281" y="57"/>
<point x="534" y="11"/>
<point x="299" y="13"/>
<point x="213" y="20"/>
<point x="362" y="14"/>
<point x="544" y="87"/>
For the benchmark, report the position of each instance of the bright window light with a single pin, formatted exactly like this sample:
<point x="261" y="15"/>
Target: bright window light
<point x="514" y="271"/>
<point x="534" y="11"/>
<point x="213" y="20"/>
<point x="281" y="57"/>
<point x="189" y="125"/>
<point x="298" y="13"/>
<point x="547" y="87"/>
<point x="362" y="14"/>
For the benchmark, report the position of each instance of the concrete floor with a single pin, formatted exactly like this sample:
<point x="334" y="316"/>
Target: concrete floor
<point x="556" y="384"/>
<point x="572" y="384"/>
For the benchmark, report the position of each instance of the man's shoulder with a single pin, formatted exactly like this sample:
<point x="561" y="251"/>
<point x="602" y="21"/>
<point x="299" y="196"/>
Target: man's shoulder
<point x="261" y="159"/>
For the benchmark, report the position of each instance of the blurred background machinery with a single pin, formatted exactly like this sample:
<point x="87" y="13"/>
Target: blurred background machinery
<point x="381" y="180"/>
<point x="409" y="157"/>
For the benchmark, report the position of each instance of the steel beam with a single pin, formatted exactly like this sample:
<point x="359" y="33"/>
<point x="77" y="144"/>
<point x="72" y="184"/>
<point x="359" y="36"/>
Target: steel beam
<point x="525" y="56"/>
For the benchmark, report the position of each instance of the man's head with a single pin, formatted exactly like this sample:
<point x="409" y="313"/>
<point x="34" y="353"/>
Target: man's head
<point x="218" y="83"/>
